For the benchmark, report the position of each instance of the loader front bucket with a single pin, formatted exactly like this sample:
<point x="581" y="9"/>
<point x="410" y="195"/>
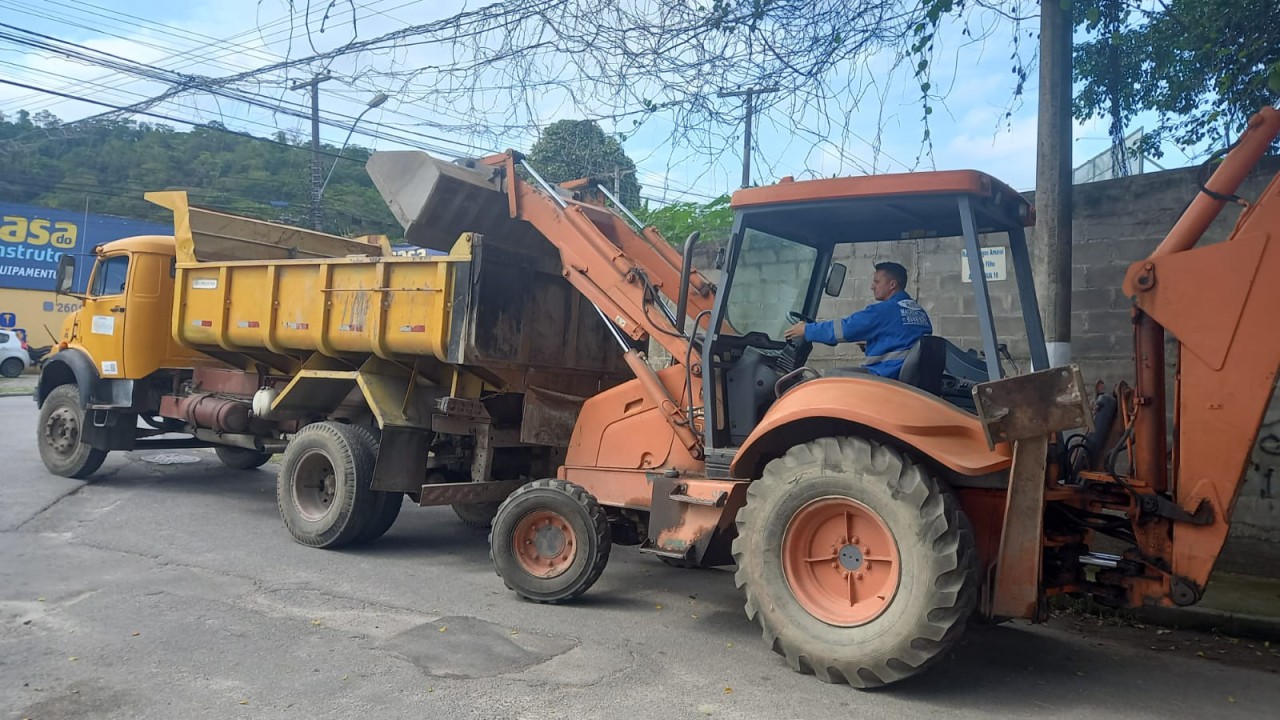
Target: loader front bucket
<point x="435" y="201"/>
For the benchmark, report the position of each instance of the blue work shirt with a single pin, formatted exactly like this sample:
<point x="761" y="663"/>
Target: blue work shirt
<point x="889" y="327"/>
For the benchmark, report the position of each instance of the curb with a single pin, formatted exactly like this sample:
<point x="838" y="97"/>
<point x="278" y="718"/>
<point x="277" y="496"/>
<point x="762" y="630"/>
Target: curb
<point x="1205" y="619"/>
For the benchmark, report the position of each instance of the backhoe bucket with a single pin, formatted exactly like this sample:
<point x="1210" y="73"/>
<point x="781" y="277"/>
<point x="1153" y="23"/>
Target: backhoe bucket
<point x="436" y="201"/>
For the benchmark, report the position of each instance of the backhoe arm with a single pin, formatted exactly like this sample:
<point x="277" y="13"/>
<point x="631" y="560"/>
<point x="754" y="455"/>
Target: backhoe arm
<point x="1221" y="302"/>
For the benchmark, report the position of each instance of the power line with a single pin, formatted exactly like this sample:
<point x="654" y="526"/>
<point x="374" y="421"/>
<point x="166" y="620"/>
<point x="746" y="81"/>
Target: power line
<point x="183" y="83"/>
<point x="212" y="55"/>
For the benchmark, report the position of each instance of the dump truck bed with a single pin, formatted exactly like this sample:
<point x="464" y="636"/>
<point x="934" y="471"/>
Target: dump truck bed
<point x="497" y="307"/>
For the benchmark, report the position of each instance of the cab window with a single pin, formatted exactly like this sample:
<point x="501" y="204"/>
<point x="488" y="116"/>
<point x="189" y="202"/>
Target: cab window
<point x="772" y="277"/>
<point x="110" y="275"/>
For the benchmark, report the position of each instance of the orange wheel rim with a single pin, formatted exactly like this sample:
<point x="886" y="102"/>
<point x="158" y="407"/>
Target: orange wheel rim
<point x="544" y="544"/>
<point x="840" y="560"/>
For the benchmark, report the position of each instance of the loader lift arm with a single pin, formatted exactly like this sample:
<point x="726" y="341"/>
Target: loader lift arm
<point x="620" y="272"/>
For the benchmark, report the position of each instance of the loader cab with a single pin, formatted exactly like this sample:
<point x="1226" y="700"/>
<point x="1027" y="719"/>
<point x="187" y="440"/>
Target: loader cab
<point x="791" y="246"/>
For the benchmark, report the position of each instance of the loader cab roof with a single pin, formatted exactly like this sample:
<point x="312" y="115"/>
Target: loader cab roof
<point x="877" y="208"/>
<point x="157" y="244"/>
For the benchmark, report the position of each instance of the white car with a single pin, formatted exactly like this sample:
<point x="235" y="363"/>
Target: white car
<point x="13" y="354"/>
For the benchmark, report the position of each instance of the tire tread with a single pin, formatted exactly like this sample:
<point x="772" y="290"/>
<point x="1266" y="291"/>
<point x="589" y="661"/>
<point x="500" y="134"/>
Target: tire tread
<point x="943" y="523"/>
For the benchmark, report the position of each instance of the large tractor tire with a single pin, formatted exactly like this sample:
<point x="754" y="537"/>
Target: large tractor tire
<point x="857" y="563"/>
<point x="550" y="541"/>
<point x="323" y="489"/>
<point x="238" y="458"/>
<point x="58" y="435"/>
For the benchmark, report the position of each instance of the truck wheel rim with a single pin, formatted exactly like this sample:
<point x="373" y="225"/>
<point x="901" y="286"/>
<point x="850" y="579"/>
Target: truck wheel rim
<point x="314" y="485"/>
<point x="841" y="561"/>
<point x="62" y="431"/>
<point x="544" y="544"/>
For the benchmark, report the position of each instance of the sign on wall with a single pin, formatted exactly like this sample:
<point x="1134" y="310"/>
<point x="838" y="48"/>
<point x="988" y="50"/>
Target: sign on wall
<point x="32" y="239"/>
<point x="993" y="263"/>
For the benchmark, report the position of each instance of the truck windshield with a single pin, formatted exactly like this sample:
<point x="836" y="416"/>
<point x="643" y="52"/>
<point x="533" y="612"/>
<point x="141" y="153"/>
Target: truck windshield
<point x="772" y="277"/>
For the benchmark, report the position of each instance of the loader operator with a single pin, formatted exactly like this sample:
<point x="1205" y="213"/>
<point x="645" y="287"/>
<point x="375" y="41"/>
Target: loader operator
<point x="889" y="327"/>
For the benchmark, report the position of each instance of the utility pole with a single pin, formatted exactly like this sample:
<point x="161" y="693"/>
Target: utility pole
<point x="1051" y="257"/>
<point x="618" y="174"/>
<point x="749" y="96"/>
<point x="317" y="170"/>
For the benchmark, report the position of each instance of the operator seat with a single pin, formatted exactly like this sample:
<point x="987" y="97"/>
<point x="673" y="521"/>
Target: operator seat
<point x="924" y="363"/>
<point x="922" y="367"/>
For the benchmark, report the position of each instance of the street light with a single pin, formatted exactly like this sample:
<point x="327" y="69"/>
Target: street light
<point x="377" y="101"/>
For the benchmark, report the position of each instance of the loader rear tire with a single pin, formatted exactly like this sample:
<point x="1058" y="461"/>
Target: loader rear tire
<point x="550" y="541"/>
<point x="323" y="489"/>
<point x="238" y="458"/>
<point x="857" y="563"/>
<point x="58" y="435"/>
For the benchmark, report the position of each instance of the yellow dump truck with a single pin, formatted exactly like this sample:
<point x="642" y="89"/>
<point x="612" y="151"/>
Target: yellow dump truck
<point x="416" y="375"/>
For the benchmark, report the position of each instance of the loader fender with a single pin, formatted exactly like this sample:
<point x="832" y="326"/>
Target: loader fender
<point x="67" y="367"/>
<point x="876" y="407"/>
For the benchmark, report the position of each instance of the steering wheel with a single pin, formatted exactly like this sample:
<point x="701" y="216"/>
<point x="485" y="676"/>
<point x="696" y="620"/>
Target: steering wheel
<point x="796" y="352"/>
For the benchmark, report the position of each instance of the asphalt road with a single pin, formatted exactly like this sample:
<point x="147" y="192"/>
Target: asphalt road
<point x="173" y="591"/>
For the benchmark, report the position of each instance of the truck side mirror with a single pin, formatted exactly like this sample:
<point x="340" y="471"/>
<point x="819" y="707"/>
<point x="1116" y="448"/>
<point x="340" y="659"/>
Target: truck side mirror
<point x="835" y="279"/>
<point x="65" y="278"/>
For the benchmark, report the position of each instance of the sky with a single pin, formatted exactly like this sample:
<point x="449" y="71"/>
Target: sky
<point x="978" y="124"/>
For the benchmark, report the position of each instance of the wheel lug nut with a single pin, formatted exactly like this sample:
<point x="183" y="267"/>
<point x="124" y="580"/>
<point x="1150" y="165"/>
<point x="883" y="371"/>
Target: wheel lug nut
<point x="855" y="540"/>
<point x="859" y="576"/>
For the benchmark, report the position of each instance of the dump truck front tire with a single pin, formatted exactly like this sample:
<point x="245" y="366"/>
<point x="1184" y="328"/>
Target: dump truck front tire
<point x="857" y="563"/>
<point x="550" y="541"/>
<point x="238" y="458"/>
<point x="323" y="489"/>
<point x="58" y="435"/>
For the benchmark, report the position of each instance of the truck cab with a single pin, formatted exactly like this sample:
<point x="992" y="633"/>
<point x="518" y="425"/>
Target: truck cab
<point x="121" y="339"/>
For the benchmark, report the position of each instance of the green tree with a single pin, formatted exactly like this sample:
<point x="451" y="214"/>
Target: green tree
<point x="572" y="149"/>
<point x="676" y="221"/>
<point x="112" y="163"/>
<point x="1204" y="66"/>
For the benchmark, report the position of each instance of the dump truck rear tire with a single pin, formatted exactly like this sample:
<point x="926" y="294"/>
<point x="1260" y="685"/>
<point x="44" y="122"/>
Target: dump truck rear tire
<point x="678" y="563"/>
<point x="388" y="503"/>
<point x="238" y="458"/>
<point x="550" y="541"/>
<point x="857" y="563"/>
<point x="323" y="489"/>
<point x="477" y="515"/>
<point x="58" y="435"/>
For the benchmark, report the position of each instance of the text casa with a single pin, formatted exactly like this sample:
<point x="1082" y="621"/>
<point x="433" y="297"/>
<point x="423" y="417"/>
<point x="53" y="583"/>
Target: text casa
<point x="38" y="231"/>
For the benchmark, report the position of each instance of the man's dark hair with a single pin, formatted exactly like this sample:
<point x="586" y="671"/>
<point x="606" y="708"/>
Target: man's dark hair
<point x="895" y="271"/>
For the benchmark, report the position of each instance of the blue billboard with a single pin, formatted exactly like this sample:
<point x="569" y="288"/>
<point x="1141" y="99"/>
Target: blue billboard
<point x="32" y="239"/>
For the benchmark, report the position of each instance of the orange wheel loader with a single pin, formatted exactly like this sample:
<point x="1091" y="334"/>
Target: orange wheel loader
<point x="869" y="518"/>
